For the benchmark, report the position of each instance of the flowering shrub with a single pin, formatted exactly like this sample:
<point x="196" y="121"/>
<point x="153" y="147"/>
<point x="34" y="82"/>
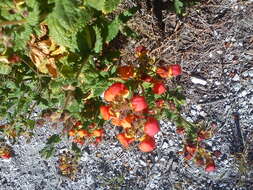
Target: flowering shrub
<point x="61" y="61"/>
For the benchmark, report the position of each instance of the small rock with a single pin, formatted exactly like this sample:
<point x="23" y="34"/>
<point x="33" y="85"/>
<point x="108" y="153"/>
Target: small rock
<point x="250" y="73"/>
<point x="203" y="114"/>
<point x="165" y="145"/>
<point x="220" y="52"/>
<point x="174" y="166"/>
<point x="237" y="86"/>
<point x="243" y="93"/>
<point x="217" y="83"/>
<point x="193" y="112"/>
<point x="143" y="163"/>
<point x="196" y="80"/>
<point x="236" y="77"/>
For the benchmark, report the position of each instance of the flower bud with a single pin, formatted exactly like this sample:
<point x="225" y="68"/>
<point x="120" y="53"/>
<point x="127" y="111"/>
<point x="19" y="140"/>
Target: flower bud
<point x="117" y="89"/>
<point x="162" y="72"/>
<point x="105" y="112"/>
<point x="210" y="166"/>
<point x="159" y="88"/>
<point x="139" y="103"/>
<point x="126" y="72"/>
<point x="151" y="127"/>
<point x="147" y="145"/>
<point x="174" y="70"/>
<point x="125" y="141"/>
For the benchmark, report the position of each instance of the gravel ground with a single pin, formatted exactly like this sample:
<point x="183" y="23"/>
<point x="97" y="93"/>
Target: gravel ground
<point x="214" y="45"/>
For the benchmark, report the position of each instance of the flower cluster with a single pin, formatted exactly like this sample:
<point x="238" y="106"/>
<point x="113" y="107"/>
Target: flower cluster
<point x="128" y="105"/>
<point x="194" y="148"/>
<point x="5" y="151"/>
<point x="132" y="114"/>
<point x="79" y="134"/>
<point x="68" y="165"/>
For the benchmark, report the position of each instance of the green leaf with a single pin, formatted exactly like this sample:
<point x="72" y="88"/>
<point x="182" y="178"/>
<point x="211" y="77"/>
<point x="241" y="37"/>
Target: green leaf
<point x="33" y="16"/>
<point x="54" y="139"/>
<point x="178" y="6"/>
<point x="75" y="148"/>
<point x="22" y="34"/>
<point x="113" y="29"/>
<point x="99" y="40"/>
<point x="127" y="15"/>
<point x="96" y="4"/>
<point x="107" y="6"/>
<point x="5" y="69"/>
<point x="110" y="5"/>
<point x="129" y="32"/>
<point x="30" y="123"/>
<point x="47" y="151"/>
<point x="65" y="22"/>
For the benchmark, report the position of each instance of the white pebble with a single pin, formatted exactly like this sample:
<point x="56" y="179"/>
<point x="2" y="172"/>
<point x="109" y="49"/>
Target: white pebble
<point x="196" y="80"/>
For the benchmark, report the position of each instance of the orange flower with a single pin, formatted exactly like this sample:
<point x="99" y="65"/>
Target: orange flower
<point x="159" y="88"/>
<point x="210" y="166"/>
<point x="191" y="148"/>
<point x="116" y="121"/>
<point x="180" y="130"/>
<point x="151" y="127"/>
<point x="147" y="144"/>
<point x="162" y="72"/>
<point x="126" y="72"/>
<point x="159" y="103"/>
<point x="79" y="141"/>
<point x="139" y="103"/>
<point x="147" y="78"/>
<point x="140" y="51"/>
<point x="117" y="89"/>
<point x="202" y="135"/>
<point x="72" y="132"/>
<point x="127" y="121"/>
<point x="6" y="155"/>
<point x="82" y="133"/>
<point x="125" y="141"/>
<point x="174" y="70"/>
<point x="98" y="132"/>
<point x="105" y="112"/>
<point x="98" y="140"/>
<point x="78" y="123"/>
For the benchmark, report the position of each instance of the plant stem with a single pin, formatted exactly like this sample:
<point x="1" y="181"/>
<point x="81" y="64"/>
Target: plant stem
<point x="69" y="94"/>
<point x="14" y="22"/>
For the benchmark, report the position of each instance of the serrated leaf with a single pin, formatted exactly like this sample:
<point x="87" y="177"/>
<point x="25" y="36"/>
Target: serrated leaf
<point x="113" y="29"/>
<point x="33" y="16"/>
<point x="99" y="40"/>
<point x="54" y="139"/>
<point x="96" y="4"/>
<point x="127" y="15"/>
<point x="47" y="151"/>
<point x="65" y="21"/>
<point x="5" y="69"/>
<point x="110" y="5"/>
<point x="128" y="32"/>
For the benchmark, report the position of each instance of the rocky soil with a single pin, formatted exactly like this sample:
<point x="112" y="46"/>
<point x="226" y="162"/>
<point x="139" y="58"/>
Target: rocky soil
<point x="214" y="45"/>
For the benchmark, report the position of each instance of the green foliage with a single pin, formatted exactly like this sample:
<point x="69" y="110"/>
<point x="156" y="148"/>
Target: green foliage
<point x="66" y="20"/>
<point x="179" y="5"/>
<point x="53" y="56"/>
<point x="106" y="6"/>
